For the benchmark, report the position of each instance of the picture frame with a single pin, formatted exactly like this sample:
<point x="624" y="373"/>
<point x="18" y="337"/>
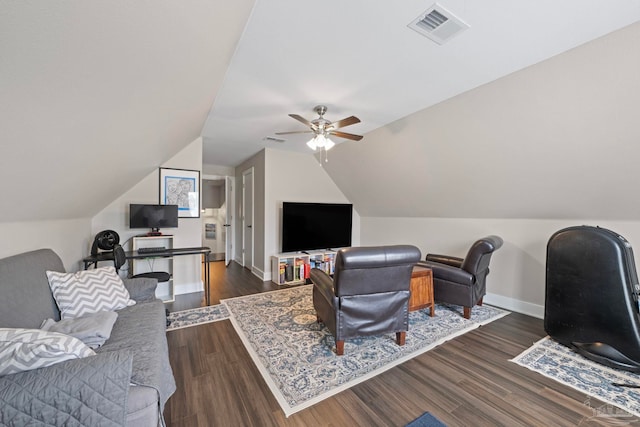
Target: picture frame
<point x="181" y="187"/>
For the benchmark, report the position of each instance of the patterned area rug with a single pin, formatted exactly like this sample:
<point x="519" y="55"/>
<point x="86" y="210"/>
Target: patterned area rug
<point x="562" y="364"/>
<point x="197" y="316"/>
<point x="296" y="355"/>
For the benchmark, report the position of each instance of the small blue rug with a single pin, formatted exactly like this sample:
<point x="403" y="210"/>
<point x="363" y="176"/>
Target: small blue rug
<point x="426" y="420"/>
<point x="197" y="316"/>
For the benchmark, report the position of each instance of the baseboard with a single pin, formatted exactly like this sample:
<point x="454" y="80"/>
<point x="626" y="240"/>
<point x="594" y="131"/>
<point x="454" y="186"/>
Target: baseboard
<point x="255" y="271"/>
<point x="260" y="274"/>
<point x="512" y="304"/>
<point x="188" y="288"/>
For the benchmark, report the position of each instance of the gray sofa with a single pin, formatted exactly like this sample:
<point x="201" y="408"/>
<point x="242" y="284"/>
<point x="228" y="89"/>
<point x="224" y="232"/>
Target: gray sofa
<point x="127" y="382"/>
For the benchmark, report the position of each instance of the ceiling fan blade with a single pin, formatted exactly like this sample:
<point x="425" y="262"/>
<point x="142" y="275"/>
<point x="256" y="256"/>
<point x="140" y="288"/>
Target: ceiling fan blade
<point x="345" y="122"/>
<point x="301" y="119"/>
<point x="295" y="131"/>
<point x="346" y="135"/>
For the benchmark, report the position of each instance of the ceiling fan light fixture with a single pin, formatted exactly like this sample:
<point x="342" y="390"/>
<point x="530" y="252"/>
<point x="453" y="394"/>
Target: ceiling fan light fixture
<point x="320" y="141"/>
<point x="312" y="144"/>
<point x="328" y="144"/>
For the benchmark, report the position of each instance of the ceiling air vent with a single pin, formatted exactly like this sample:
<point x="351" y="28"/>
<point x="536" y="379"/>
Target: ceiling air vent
<point x="273" y="139"/>
<point x="438" y="24"/>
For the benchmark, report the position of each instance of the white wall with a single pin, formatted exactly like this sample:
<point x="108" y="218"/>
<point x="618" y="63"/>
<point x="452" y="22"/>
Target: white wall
<point x="295" y="177"/>
<point x="517" y="278"/>
<point x="187" y="269"/>
<point x="68" y="238"/>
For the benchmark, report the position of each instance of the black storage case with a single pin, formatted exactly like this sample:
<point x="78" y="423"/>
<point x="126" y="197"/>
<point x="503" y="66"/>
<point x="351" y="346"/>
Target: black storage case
<point x="591" y="299"/>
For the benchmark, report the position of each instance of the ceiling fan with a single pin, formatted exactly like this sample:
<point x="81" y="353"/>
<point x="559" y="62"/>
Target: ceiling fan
<point x="322" y="128"/>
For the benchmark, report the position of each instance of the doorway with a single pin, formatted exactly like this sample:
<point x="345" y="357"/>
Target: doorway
<point x="217" y="214"/>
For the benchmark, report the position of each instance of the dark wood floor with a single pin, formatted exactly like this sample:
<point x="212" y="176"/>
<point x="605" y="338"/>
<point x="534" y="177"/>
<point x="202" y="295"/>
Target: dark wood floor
<point x="468" y="381"/>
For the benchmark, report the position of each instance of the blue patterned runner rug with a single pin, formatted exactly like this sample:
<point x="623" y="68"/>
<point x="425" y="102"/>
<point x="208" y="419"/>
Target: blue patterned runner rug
<point x="296" y="356"/>
<point x="197" y="316"/>
<point x="558" y="362"/>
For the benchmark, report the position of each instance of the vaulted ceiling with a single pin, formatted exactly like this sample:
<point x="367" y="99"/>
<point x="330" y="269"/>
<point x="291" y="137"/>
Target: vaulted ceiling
<point x="94" y="95"/>
<point x="359" y="57"/>
<point x="557" y="140"/>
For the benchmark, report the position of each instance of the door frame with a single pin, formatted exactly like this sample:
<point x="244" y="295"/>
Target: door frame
<point x="244" y="225"/>
<point x="229" y="188"/>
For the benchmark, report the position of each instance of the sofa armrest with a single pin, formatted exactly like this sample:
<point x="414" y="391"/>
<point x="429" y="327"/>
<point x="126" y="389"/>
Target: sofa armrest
<point x="141" y="289"/>
<point x="93" y="389"/>
<point x="445" y="259"/>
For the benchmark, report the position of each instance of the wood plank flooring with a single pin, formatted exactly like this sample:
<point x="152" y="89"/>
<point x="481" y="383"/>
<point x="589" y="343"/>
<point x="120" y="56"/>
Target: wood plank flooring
<point x="468" y="381"/>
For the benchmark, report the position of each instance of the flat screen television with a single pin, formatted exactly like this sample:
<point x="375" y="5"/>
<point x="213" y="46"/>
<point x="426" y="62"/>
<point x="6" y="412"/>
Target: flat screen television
<point x="309" y="226"/>
<point x="154" y="217"/>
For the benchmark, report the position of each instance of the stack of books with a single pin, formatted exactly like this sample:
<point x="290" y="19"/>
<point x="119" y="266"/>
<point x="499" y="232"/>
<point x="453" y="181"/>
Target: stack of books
<point x="293" y="272"/>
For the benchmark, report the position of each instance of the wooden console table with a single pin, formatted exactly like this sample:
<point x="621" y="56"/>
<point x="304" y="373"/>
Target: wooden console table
<point x="422" y="290"/>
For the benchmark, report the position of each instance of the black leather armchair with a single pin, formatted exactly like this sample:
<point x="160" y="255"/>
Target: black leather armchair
<point x="369" y="292"/>
<point x="462" y="281"/>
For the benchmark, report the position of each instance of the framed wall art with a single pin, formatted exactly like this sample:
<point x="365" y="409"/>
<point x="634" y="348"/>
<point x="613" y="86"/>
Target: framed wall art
<point x="181" y="187"/>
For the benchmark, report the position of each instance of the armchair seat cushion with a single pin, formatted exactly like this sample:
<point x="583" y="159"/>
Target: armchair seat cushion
<point x="449" y="273"/>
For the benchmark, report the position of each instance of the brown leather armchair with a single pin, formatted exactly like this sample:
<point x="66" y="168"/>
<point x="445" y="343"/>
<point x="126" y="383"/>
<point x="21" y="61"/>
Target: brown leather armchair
<point x="368" y="294"/>
<point x="462" y="281"/>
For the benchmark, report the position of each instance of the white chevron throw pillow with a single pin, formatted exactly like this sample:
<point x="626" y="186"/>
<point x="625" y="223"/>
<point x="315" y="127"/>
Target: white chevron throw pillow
<point x="88" y="292"/>
<point x="26" y="349"/>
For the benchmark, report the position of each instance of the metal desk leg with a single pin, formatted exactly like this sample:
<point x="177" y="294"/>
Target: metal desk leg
<point x="207" y="278"/>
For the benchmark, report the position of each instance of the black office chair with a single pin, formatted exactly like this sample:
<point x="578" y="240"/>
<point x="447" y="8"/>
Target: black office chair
<point x="119" y="259"/>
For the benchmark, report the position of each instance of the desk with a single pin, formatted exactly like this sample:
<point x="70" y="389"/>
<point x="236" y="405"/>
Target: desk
<point x="166" y="253"/>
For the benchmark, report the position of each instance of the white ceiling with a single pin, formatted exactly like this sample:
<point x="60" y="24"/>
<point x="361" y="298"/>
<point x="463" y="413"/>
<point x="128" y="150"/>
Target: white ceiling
<point x="95" y="95"/>
<point x="360" y="58"/>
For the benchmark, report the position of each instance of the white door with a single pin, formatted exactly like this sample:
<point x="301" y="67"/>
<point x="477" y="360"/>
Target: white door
<point x="247" y="218"/>
<point x="228" y="225"/>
